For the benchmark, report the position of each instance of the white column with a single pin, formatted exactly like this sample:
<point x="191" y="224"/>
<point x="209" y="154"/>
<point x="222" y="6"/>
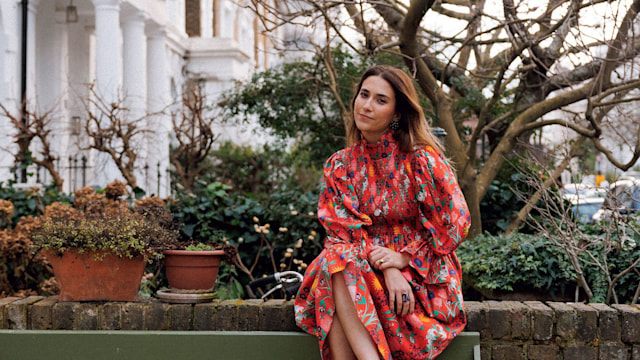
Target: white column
<point x="158" y="100"/>
<point x="206" y="16"/>
<point x="108" y="48"/>
<point x="135" y="82"/>
<point x="108" y="73"/>
<point x="10" y="68"/>
<point x="134" y="63"/>
<point x="53" y="87"/>
<point x="31" y="51"/>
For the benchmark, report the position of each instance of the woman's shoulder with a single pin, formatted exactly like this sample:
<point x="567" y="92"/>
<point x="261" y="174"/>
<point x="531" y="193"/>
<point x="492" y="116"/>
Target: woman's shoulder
<point x="427" y="158"/>
<point x="426" y="153"/>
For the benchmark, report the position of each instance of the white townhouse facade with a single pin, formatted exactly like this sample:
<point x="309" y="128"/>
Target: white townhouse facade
<point x="140" y="52"/>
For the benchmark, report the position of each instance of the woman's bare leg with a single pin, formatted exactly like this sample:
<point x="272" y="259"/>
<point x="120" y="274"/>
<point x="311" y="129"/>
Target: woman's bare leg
<point x="338" y="343"/>
<point x="359" y="338"/>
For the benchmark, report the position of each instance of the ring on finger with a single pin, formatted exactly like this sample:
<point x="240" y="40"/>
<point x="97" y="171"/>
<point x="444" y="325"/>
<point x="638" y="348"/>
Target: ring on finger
<point x="381" y="261"/>
<point x="405" y="297"/>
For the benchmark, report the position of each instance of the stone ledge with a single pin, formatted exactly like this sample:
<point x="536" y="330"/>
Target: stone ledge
<point x="508" y="329"/>
<point x="38" y="313"/>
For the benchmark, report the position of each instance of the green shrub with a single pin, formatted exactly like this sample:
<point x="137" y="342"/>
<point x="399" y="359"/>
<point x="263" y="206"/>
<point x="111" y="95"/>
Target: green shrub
<point x="616" y="245"/>
<point x="524" y="262"/>
<point x="29" y="201"/>
<point x="519" y="262"/>
<point x="290" y="216"/>
<point x="262" y="171"/>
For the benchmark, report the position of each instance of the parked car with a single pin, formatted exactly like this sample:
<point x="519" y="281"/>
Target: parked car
<point x="585" y="190"/>
<point x="623" y="198"/>
<point x="586" y="207"/>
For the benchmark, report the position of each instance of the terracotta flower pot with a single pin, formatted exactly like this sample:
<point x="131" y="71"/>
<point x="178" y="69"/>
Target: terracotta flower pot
<point x="192" y="270"/>
<point x="83" y="278"/>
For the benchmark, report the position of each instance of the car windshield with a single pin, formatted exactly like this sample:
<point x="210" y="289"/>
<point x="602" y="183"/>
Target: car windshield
<point x="622" y="196"/>
<point x="586" y="211"/>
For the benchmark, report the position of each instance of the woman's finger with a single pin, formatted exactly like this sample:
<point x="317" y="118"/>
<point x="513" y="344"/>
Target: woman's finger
<point x="413" y="304"/>
<point x="405" y="304"/>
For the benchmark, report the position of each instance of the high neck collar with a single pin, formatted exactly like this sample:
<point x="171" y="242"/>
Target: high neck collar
<point x="382" y="145"/>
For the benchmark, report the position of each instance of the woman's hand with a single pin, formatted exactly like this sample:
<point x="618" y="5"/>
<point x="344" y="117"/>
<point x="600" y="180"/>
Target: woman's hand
<point x="401" y="298"/>
<point x="382" y="258"/>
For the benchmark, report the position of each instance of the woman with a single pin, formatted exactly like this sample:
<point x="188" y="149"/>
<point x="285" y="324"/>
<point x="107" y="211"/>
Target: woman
<point x="387" y="284"/>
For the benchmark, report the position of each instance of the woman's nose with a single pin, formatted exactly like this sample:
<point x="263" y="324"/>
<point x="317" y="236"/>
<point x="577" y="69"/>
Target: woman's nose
<point x="367" y="104"/>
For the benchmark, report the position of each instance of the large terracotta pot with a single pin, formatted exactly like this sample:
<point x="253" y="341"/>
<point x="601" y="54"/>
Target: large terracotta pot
<point x="83" y="278"/>
<point x="192" y="270"/>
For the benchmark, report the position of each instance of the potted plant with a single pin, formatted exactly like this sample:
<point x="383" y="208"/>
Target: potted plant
<point x="192" y="271"/>
<point x="99" y="247"/>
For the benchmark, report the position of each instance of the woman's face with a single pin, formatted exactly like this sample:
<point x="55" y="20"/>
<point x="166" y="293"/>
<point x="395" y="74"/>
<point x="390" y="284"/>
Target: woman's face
<point x="374" y="108"/>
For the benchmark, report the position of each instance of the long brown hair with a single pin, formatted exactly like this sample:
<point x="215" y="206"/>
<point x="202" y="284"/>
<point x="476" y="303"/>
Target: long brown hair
<point x="414" y="129"/>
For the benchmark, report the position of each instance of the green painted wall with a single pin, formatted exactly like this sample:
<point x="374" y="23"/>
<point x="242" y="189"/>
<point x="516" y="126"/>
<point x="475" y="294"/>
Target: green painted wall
<point x="178" y="345"/>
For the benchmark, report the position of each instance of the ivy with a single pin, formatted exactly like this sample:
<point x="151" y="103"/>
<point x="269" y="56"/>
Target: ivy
<point x="524" y="262"/>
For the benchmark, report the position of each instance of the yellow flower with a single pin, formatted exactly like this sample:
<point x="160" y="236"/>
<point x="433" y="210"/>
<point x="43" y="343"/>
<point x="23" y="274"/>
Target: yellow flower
<point x="377" y="285"/>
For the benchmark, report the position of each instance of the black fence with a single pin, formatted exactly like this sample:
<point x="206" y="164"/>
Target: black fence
<point x="74" y="171"/>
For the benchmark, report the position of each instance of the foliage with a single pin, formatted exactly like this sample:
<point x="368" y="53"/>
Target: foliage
<point x="506" y="195"/>
<point x="30" y="201"/>
<point x="199" y="213"/>
<point x="288" y="213"/>
<point x="22" y="273"/>
<point x="199" y="247"/>
<point x="519" y="262"/>
<point x="499" y="206"/>
<point x="99" y="222"/>
<point x="591" y="250"/>
<point x="264" y="170"/>
<point x="268" y="184"/>
<point x="525" y="262"/>
<point x="616" y="246"/>
<point x="228" y="286"/>
<point x="294" y="101"/>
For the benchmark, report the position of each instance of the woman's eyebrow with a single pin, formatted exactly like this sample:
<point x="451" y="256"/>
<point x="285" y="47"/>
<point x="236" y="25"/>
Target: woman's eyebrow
<point x="381" y="95"/>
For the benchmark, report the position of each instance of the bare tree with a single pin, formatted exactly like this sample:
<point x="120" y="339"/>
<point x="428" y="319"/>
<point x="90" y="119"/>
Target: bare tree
<point x="194" y="137"/>
<point x="37" y="126"/>
<point x="519" y="68"/>
<point x="558" y="223"/>
<point x="112" y="131"/>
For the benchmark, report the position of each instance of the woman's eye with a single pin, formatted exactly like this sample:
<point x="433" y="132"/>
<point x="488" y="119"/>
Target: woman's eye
<point x="382" y="101"/>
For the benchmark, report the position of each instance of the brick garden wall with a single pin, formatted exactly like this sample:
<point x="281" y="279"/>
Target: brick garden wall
<point x="509" y="330"/>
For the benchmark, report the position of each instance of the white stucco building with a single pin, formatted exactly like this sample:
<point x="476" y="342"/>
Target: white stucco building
<point x="143" y="52"/>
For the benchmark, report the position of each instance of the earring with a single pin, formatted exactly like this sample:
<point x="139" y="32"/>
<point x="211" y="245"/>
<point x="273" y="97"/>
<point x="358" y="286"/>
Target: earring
<point x="394" y="125"/>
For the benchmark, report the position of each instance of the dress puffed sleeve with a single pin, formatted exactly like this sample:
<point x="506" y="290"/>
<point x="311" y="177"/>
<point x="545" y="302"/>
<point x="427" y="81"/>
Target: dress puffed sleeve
<point x="338" y="204"/>
<point x="444" y="211"/>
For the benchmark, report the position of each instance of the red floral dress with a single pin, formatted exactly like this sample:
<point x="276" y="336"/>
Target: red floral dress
<point x="409" y="202"/>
